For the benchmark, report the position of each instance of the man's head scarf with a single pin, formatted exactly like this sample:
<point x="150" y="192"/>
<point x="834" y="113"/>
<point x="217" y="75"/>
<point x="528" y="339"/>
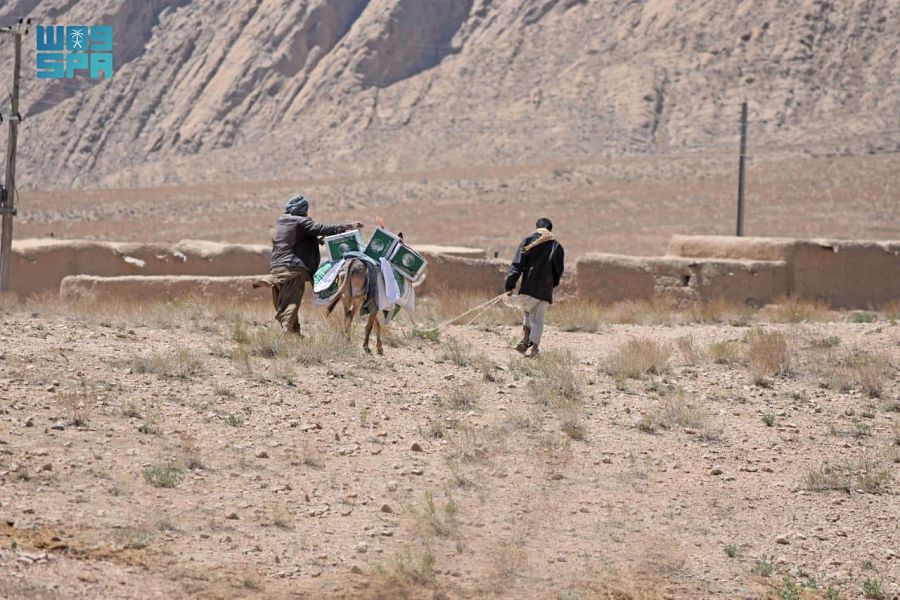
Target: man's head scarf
<point x="297" y="206"/>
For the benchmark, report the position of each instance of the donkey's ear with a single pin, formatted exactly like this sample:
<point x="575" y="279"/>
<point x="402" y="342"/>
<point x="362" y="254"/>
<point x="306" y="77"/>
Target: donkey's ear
<point x="400" y="235"/>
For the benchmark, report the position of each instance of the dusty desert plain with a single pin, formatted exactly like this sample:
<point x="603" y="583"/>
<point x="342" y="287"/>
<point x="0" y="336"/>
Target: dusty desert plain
<point x="652" y="451"/>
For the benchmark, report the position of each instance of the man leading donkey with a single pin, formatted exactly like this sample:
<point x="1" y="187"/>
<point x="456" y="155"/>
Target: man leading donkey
<point x="539" y="261"/>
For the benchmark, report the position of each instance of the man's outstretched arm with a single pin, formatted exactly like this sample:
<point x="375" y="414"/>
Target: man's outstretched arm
<point x="320" y="229"/>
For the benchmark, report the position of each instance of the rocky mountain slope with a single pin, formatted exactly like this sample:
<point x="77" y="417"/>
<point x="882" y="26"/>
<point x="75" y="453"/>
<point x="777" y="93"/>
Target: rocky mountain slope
<point x="265" y="89"/>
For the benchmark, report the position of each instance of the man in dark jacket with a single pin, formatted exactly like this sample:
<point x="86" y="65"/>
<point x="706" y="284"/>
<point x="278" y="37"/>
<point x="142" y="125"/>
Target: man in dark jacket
<point x="295" y="258"/>
<point x="539" y="261"/>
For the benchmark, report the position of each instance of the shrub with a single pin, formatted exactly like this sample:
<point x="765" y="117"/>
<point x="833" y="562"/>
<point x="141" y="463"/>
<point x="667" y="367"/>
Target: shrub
<point x="796" y="310"/>
<point x="183" y="364"/>
<point x="553" y="381"/>
<point x="457" y="352"/>
<point x="164" y="476"/>
<point x="723" y="353"/>
<point x="463" y="397"/>
<point x="638" y="357"/>
<point x="676" y="411"/>
<point x="689" y="350"/>
<point x="864" y="474"/>
<point x="767" y="354"/>
<point x="873" y="589"/>
<point x="863" y="317"/>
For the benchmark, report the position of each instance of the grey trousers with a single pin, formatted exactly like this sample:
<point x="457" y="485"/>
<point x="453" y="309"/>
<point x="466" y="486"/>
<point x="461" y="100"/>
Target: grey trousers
<point x="535" y="311"/>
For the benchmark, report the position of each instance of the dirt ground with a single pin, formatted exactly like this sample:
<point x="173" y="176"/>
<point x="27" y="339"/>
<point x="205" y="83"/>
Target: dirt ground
<point x="621" y="205"/>
<point x="444" y="469"/>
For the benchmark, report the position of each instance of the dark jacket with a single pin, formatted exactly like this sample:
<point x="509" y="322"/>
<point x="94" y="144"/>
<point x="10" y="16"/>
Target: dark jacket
<point x="540" y="268"/>
<point x="296" y="242"/>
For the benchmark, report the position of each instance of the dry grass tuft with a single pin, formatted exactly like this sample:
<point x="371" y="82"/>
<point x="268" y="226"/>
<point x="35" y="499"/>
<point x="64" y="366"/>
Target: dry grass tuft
<point x="863" y="474"/>
<point x="719" y="310"/>
<point x="183" y="364"/>
<point x="639" y="357"/>
<point x="553" y="381"/>
<point x="457" y="352"/>
<point x="690" y="352"/>
<point x="78" y="403"/>
<point x="571" y="422"/>
<point x="463" y="397"/>
<point x="676" y="411"/>
<point x="796" y="310"/>
<point x="724" y="353"/>
<point x="656" y="310"/>
<point x="433" y="521"/>
<point x="869" y="371"/>
<point x="323" y="341"/>
<point x="469" y="445"/>
<point x="577" y="314"/>
<point x="767" y="354"/>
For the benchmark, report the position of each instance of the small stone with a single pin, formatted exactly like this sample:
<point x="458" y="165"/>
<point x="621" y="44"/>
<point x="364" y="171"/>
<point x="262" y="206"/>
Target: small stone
<point x="416" y="447"/>
<point x="262" y="454"/>
<point x="392" y="486"/>
<point x="356" y="570"/>
<point x="58" y="426"/>
<point x="849" y="412"/>
<point x="29" y="422"/>
<point x="783" y="540"/>
<point x="715" y="471"/>
<point x="47" y="467"/>
<point x="232" y="516"/>
<point x="385" y="508"/>
<point x="362" y="547"/>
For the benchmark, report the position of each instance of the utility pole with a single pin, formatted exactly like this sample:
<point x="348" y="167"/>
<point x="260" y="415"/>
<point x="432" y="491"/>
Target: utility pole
<point x="8" y="191"/>
<point x="742" y="169"/>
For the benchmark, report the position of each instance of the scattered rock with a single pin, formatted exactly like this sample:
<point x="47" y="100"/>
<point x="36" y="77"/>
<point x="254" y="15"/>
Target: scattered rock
<point x="385" y="508"/>
<point x="232" y="516"/>
<point x="416" y="447"/>
<point x="715" y="471"/>
<point x="783" y="540"/>
<point x="356" y="570"/>
<point x="262" y="454"/>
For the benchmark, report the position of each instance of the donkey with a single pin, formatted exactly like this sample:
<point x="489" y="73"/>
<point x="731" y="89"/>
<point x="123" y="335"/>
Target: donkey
<point x="353" y="293"/>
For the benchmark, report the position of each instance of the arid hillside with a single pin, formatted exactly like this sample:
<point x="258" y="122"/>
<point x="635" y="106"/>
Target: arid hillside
<point x="229" y="90"/>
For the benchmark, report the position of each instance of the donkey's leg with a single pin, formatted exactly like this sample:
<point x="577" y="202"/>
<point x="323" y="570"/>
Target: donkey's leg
<point x="378" y="345"/>
<point x="356" y="305"/>
<point x="372" y="321"/>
